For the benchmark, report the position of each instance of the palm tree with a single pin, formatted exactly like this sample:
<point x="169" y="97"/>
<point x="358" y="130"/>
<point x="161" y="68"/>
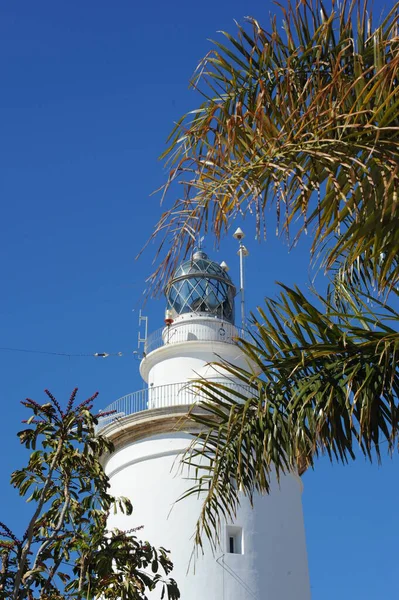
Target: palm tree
<point x="308" y="121"/>
<point x="305" y="117"/>
<point x="327" y="383"/>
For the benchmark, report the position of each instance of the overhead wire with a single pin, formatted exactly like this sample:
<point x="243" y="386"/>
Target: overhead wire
<point x="67" y="354"/>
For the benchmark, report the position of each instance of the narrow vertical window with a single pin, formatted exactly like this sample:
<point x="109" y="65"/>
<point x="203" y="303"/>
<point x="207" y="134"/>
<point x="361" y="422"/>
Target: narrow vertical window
<point x="234" y="540"/>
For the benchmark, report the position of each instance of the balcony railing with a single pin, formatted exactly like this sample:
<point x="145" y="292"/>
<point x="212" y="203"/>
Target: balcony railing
<point x="184" y="331"/>
<point x="172" y="394"/>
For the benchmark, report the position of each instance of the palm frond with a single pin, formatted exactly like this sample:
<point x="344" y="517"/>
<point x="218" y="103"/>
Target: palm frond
<point x="329" y="384"/>
<point x="305" y="117"/>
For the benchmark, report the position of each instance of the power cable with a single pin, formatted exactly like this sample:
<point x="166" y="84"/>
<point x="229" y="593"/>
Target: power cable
<point x="67" y="354"/>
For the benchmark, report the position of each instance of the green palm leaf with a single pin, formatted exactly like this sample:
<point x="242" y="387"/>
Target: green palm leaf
<point x="328" y="384"/>
<point x="305" y="117"/>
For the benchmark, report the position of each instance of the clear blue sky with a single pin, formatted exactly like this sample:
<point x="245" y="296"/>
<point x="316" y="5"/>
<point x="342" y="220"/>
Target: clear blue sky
<point x="89" y="92"/>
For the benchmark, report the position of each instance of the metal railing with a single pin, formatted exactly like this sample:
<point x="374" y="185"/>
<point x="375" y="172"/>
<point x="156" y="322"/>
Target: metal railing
<point x="172" y="394"/>
<point x="207" y="331"/>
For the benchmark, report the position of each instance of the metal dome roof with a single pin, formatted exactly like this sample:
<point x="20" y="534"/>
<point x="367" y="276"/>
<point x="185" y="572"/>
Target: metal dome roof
<point x="200" y="263"/>
<point x="201" y="285"/>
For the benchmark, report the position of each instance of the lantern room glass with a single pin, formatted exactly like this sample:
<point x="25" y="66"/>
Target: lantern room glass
<point x="200" y="285"/>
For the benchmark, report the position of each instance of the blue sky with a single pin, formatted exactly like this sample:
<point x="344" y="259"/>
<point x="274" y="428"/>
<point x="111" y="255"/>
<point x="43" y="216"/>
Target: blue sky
<point x="90" y="91"/>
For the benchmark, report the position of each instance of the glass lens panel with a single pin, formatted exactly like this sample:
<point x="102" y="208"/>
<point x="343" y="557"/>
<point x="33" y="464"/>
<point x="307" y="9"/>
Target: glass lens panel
<point x="199" y="291"/>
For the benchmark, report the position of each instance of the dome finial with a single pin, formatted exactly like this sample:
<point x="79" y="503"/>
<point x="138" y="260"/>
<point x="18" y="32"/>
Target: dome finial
<point x="198" y="251"/>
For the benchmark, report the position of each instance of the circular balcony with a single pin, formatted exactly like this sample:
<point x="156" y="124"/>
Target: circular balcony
<point x="199" y="329"/>
<point x="163" y="396"/>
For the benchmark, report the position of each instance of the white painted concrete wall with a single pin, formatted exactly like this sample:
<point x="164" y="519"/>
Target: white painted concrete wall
<point x="273" y="565"/>
<point x="189" y="344"/>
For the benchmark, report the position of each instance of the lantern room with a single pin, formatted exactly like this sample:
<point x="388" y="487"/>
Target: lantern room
<point x="202" y="286"/>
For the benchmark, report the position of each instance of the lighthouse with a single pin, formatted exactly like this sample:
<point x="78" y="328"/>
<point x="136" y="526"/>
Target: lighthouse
<point x="262" y="554"/>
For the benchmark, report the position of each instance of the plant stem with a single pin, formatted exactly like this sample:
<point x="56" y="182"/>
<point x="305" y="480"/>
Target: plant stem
<point x="30" y="530"/>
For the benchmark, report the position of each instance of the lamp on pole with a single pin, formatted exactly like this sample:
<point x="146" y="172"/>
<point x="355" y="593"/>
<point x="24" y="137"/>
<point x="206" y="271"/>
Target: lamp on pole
<point x="242" y="253"/>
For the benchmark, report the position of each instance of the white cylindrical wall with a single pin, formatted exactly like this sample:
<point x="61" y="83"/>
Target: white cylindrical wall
<point x="169" y="369"/>
<point x="273" y="564"/>
<point x="184" y="364"/>
<point x="187" y="346"/>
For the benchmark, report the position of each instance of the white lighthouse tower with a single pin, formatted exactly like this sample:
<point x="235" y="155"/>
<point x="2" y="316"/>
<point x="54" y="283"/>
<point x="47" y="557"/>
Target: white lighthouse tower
<point x="263" y="553"/>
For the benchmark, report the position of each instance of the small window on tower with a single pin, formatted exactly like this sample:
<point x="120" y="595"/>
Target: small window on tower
<point x="234" y="540"/>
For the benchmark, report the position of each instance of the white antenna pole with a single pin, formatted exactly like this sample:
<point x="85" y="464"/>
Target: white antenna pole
<point x="242" y="288"/>
<point x="142" y="340"/>
<point x="242" y="253"/>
